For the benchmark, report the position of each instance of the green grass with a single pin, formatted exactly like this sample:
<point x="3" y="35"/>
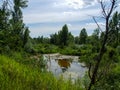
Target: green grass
<point x="16" y="76"/>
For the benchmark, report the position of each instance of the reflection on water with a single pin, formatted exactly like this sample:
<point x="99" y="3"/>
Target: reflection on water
<point x="65" y="65"/>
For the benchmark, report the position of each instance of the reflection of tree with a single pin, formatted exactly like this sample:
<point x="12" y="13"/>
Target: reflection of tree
<point x="64" y="64"/>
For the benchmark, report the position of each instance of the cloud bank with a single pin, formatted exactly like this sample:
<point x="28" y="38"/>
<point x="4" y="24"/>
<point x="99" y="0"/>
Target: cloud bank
<point x="45" y="17"/>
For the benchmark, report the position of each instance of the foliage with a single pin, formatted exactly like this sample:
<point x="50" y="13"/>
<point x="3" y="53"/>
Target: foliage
<point x="96" y="71"/>
<point x="110" y="62"/>
<point x="83" y="35"/>
<point x="70" y="50"/>
<point x="12" y="28"/>
<point x="114" y="26"/>
<point x="111" y="80"/>
<point x="21" y="77"/>
<point x="63" y="35"/>
<point x="100" y="52"/>
<point x="63" y="38"/>
<point x="45" y="48"/>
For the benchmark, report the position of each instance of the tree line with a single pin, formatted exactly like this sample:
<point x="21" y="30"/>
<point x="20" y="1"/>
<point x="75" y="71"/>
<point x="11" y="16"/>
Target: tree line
<point x="64" y="37"/>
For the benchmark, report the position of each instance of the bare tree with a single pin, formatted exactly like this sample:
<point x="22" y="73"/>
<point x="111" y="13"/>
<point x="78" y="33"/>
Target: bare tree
<point x="106" y="12"/>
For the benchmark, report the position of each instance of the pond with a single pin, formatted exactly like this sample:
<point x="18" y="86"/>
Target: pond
<point x="67" y="66"/>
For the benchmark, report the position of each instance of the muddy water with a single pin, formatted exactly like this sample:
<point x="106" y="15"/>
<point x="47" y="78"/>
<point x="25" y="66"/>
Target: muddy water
<point x="67" y="66"/>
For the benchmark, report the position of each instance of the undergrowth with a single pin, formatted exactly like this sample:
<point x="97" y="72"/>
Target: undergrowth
<point x="17" y="76"/>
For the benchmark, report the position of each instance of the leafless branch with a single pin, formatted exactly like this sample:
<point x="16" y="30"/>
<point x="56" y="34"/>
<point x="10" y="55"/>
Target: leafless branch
<point x="89" y="71"/>
<point x="103" y="9"/>
<point x="97" y="24"/>
<point x="112" y="7"/>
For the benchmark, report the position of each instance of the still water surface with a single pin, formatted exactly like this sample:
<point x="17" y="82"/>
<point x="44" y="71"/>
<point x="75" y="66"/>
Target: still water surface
<point x="67" y="66"/>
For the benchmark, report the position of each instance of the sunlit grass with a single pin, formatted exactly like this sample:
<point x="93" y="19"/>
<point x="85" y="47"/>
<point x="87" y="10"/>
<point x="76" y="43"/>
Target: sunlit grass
<point x="16" y="76"/>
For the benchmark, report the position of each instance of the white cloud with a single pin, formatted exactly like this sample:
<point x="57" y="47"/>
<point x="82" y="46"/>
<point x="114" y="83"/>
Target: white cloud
<point x="60" y="17"/>
<point x="45" y="31"/>
<point x="75" y="4"/>
<point x="69" y="25"/>
<point x="40" y="15"/>
<point x="50" y="17"/>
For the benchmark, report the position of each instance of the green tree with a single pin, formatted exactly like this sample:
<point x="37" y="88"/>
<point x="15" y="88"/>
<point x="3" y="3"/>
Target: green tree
<point x="96" y="40"/>
<point x="17" y="21"/>
<point x="63" y="36"/>
<point x="95" y="71"/>
<point x="39" y="39"/>
<point x="76" y="40"/>
<point x="114" y="26"/>
<point x="71" y="40"/>
<point x="12" y="28"/>
<point x="26" y="36"/>
<point x="4" y="16"/>
<point x="17" y="18"/>
<point x="54" y="39"/>
<point x="4" y="26"/>
<point x="83" y="36"/>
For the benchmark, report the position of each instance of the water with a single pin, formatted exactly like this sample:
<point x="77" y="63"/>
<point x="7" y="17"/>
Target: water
<point x="67" y="66"/>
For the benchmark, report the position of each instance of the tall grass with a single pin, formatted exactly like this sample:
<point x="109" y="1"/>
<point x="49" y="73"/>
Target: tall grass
<point x="16" y="76"/>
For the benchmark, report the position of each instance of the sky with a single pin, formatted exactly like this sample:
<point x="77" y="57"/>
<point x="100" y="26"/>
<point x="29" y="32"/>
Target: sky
<point x="46" y="17"/>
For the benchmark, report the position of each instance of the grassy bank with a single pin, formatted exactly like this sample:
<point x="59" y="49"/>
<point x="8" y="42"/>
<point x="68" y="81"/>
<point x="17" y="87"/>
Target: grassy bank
<point x="16" y="76"/>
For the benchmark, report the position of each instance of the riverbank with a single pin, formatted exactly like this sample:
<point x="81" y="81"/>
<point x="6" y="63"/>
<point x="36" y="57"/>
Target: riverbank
<point x="57" y="56"/>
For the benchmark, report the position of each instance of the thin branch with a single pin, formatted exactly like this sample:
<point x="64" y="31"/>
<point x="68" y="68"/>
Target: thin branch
<point x="89" y="71"/>
<point x="111" y="9"/>
<point x="97" y="24"/>
<point x="103" y="9"/>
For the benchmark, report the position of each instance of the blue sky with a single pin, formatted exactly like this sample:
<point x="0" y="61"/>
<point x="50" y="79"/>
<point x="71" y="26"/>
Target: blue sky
<point x="45" y="17"/>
